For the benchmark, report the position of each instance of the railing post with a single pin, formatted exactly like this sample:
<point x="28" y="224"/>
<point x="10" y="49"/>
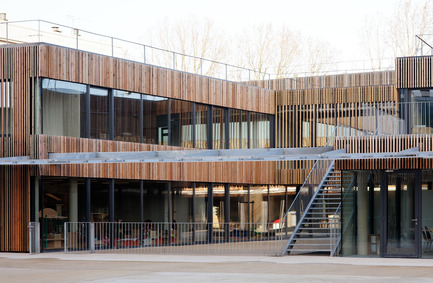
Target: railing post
<point x="92" y="237"/>
<point x="39" y="30"/>
<point x="76" y="39"/>
<point x="34" y="230"/>
<point x="65" y="237"/>
<point x="144" y="53"/>
<point x="174" y="61"/>
<point x="269" y="81"/>
<point x="226" y="72"/>
<point x="112" y="47"/>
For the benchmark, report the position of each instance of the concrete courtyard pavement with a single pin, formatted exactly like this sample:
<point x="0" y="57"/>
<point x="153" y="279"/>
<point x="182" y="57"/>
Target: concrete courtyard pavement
<point x="60" y="267"/>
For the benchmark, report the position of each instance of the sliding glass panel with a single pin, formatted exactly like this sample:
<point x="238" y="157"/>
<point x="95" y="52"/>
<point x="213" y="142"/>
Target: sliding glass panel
<point x="201" y="125"/>
<point x="201" y="190"/>
<point x="99" y="113"/>
<point x="260" y="132"/>
<point x="155" y="119"/>
<point x="402" y="218"/>
<point x="218" y="127"/>
<point x="126" y="116"/>
<point x="63" y="108"/>
<point x="238" y="129"/>
<point x="181" y="123"/>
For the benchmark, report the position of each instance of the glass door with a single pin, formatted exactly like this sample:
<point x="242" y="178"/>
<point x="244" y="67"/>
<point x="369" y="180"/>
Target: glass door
<point x="401" y="211"/>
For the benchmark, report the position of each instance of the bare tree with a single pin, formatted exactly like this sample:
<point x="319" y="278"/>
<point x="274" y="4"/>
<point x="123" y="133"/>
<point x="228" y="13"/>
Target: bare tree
<point x="281" y="52"/>
<point x="374" y="41"/>
<point x="317" y="55"/>
<point x="266" y="50"/>
<point x="198" y="38"/>
<point x="395" y="36"/>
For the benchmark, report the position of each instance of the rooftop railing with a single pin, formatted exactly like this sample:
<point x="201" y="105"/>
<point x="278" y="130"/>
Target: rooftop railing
<point x="424" y="44"/>
<point x="33" y="31"/>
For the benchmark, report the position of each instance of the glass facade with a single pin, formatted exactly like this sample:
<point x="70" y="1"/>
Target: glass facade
<point x="77" y="110"/>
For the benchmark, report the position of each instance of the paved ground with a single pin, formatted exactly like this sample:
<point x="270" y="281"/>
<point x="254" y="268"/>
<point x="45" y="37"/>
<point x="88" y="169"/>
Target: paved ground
<point x="59" y="267"/>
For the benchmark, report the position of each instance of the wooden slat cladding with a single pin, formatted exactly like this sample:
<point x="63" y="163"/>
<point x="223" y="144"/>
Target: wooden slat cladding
<point x="337" y="95"/>
<point x="99" y="70"/>
<point x="388" y="143"/>
<point x="307" y="118"/>
<point x="331" y="81"/>
<point x="229" y="172"/>
<point x="414" y="72"/>
<point x="18" y="73"/>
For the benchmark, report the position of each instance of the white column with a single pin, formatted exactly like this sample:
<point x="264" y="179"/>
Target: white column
<point x="362" y="213"/>
<point x="73" y="200"/>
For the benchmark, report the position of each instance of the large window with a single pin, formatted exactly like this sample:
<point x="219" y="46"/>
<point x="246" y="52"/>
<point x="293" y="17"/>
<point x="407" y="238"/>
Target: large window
<point x="63" y="108"/>
<point x="77" y="110"/>
<point x="260" y="133"/>
<point x="238" y="129"/>
<point x="181" y="123"/>
<point x="99" y="113"/>
<point x="201" y="124"/>
<point x="127" y="116"/>
<point x="155" y="119"/>
<point x="218" y="128"/>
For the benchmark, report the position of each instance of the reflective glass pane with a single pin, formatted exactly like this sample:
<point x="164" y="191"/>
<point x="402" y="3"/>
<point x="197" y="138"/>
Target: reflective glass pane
<point x="63" y="108"/>
<point x="99" y="113"/>
<point x="126" y="116"/>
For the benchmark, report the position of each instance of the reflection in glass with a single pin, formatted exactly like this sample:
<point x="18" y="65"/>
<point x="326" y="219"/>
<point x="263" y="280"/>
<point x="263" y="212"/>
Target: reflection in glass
<point x="63" y="108"/>
<point x="181" y="123"/>
<point x="99" y="113"/>
<point x="238" y="129"/>
<point x="201" y="125"/>
<point x="201" y="203"/>
<point x="218" y="127"/>
<point x="126" y="116"/>
<point x="155" y="120"/>
<point x="260" y="134"/>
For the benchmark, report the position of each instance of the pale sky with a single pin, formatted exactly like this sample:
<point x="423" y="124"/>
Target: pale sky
<point x="337" y="21"/>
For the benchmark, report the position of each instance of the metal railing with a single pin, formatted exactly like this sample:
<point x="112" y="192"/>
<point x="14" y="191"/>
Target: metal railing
<point x="32" y="31"/>
<point x="424" y="44"/>
<point x="173" y="238"/>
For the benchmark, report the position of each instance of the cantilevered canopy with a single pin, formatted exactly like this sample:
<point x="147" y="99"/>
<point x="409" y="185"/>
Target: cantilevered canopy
<point x="225" y="155"/>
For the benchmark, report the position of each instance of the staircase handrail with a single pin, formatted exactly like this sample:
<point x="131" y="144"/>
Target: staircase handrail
<point x="282" y="221"/>
<point x="298" y="225"/>
<point x="333" y="219"/>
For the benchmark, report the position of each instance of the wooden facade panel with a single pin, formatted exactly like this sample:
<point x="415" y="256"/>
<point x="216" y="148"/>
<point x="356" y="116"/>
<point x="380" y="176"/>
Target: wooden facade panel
<point x="380" y="144"/>
<point x="233" y="172"/>
<point x="19" y="68"/>
<point x="330" y="81"/>
<point x="414" y="72"/>
<point x="98" y="70"/>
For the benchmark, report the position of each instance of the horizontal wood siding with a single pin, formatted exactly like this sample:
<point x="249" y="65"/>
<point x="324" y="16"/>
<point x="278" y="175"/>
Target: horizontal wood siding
<point x="99" y="70"/>
<point x="229" y="172"/>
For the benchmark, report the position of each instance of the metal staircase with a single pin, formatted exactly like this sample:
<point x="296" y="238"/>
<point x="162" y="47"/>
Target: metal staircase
<point x="318" y="229"/>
